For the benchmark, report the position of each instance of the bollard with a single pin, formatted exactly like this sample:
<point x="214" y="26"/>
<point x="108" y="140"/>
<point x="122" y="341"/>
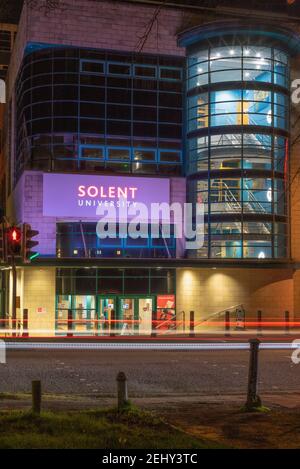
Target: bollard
<point x="36" y="397"/>
<point x="25" y="323"/>
<point x="122" y="390"/>
<point x="192" y="323"/>
<point x="253" y="400"/>
<point x="227" y="324"/>
<point x="154" y="324"/>
<point x="70" y="323"/>
<point x="287" y="322"/>
<point x="259" y="319"/>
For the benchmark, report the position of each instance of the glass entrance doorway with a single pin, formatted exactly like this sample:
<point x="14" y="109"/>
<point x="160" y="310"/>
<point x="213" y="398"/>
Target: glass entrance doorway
<point x="106" y="315"/>
<point x="135" y="315"/>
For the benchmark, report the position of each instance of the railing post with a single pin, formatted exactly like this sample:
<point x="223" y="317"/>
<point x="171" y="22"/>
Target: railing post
<point x="36" y="397"/>
<point x="259" y="320"/>
<point x="253" y="400"/>
<point x="112" y="323"/>
<point x="192" y="323"/>
<point x="287" y="322"/>
<point x="7" y="324"/>
<point x="122" y="390"/>
<point x="70" y="323"/>
<point x="227" y="323"/>
<point x="154" y="324"/>
<point x="97" y="323"/>
<point x="25" y="323"/>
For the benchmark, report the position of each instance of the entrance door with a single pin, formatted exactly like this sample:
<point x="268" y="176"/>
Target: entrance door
<point x="83" y="314"/>
<point x="106" y="308"/>
<point x="127" y="317"/>
<point x="64" y="304"/>
<point x="145" y="306"/>
<point x="135" y="315"/>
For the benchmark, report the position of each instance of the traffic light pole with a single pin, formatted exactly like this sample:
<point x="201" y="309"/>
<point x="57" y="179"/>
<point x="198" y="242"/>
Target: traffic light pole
<point x="14" y="294"/>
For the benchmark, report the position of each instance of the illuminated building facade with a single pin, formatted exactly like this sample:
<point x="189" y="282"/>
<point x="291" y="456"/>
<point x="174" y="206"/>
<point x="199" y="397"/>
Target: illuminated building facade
<point x="200" y="116"/>
<point x="238" y="138"/>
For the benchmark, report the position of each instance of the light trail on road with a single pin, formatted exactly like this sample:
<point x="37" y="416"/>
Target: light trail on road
<point x="147" y="346"/>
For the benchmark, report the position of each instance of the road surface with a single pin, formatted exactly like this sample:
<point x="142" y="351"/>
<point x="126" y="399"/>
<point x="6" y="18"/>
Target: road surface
<point x="150" y="373"/>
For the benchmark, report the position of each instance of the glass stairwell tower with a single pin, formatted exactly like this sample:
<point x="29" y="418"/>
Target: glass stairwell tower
<point x="237" y="137"/>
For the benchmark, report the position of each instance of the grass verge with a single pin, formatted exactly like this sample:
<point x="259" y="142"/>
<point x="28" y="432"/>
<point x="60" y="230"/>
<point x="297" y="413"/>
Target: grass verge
<point x="132" y="428"/>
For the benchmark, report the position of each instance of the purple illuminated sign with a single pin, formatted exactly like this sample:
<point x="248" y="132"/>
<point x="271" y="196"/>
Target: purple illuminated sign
<point x="68" y="195"/>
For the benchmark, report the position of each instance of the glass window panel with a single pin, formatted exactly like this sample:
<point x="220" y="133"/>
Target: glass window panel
<point x="144" y="71"/>
<point x="198" y="80"/>
<point x="196" y="69"/>
<point x="96" y="126"/>
<point x="257" y="195"/>
<point x="170" y="73"/>
<point x="201" y="56"/>
<point x="170" y="156"/>
<point x="118" y="96"/>
<point x="197" y="72"/>
<point x="119" y="69"/>
<point x="118" y="127"/>
<point x="92" y="67"/>
<point x="225" y="75"/>
<point x="170" y="169"/>
<point x="257" y="95"/>
<point x="92" y="93"/>
<point x="93" y="110"/>
<point x="92" y="152"/>
<point x="280" y="154"/>
<point x="145" y="98"/>
<point x="280" y="79"/>
<point x="280" y="56"/>
<point x="144" y="113"/>
<point x="144" y="155"/>
<point x="145" y="168"/>
<point x="118" y="154"/>
<point x="118" y="112"/>
<point x="118" y="167"/>
<point x="257" y="52"/>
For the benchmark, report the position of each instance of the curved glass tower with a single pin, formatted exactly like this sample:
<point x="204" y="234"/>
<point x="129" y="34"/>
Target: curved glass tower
<point x="237" y="138"/>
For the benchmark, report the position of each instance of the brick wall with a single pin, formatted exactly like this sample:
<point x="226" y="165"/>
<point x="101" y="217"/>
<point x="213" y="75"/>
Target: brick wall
<point x="25" y="205"/>
<point x="178" y="195"/>
<point x="295" y="171"/>
<point x="39" y="298"/>
<point x="112" y="25"/>
<point x="208" y="291"/>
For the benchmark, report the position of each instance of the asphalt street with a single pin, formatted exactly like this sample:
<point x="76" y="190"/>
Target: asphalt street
<point x="149" y="373"/>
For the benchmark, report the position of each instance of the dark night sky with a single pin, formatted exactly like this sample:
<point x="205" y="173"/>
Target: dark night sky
<point x="10" y="9"/>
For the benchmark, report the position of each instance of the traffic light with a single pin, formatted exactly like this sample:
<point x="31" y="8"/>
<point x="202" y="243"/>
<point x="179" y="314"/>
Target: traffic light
<point x="3" y="250"/>
<point x="14" y="241"/>
<point x="28" y="243"/>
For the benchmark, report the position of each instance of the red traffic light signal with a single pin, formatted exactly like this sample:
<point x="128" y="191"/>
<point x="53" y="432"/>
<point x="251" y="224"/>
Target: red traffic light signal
<point x="14" y="241"/>
<point x="28" y="243"/>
